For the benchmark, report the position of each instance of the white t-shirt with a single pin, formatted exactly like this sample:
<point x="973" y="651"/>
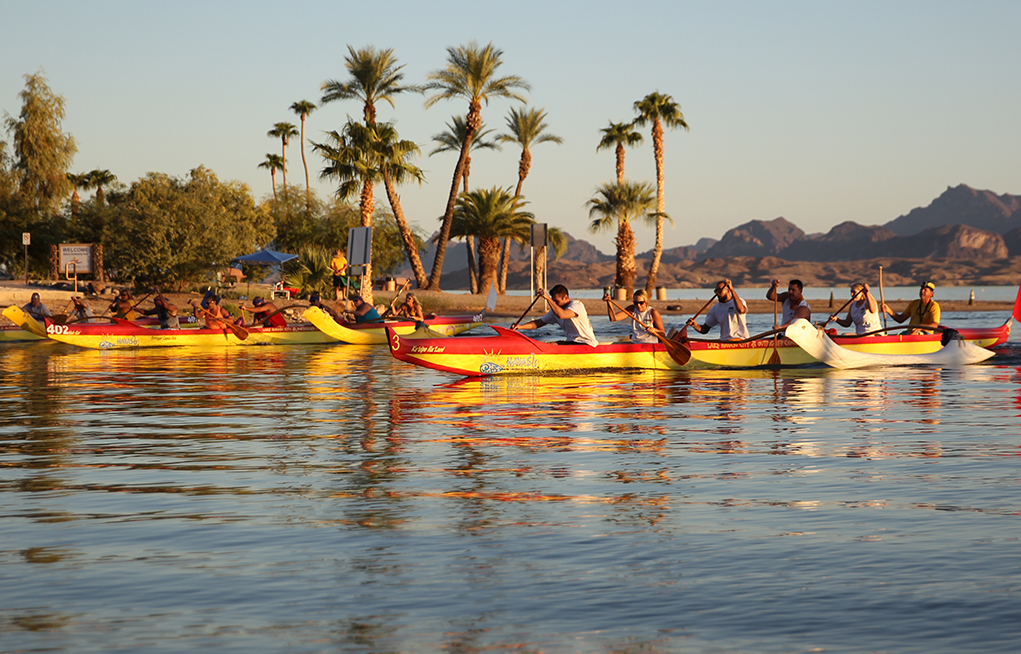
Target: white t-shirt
<point x="865" y="321"/>
<point x="638" y="333"/>
<point x="788" y="310"/>
<point x="577" y="329"/>
<point x="732" y="323"/>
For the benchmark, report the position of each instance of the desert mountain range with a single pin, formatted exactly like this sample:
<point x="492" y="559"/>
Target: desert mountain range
<point x="965" y="236"/>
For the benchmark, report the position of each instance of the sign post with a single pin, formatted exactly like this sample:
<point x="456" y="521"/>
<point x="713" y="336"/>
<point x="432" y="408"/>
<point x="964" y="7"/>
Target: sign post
<point x="26" y="240"/>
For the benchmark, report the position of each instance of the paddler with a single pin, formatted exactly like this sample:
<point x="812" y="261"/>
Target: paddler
<point x="793" y="301"/>
<point x="216" y="317"/>
<point x="165" y="310"/>
<point x="643" y="311"/>
<point x="923" y="312"/>
<point x="36" y="308"/>
<point x="365" y="312"/>
<point x="271" y="316"/>
<point x="122" y="306"/>
<point x="82" y="310"/>
<point x="569" y="314"/>
<point x="316" y="301"/>
<point x="729" y="313"/>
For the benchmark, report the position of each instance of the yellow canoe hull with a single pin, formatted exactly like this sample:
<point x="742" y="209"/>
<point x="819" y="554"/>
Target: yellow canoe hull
<point x="377" y="335"/>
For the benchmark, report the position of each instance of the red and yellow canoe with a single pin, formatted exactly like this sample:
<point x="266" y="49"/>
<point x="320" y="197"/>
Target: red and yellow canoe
<point x="374" y="333"/>
<point x="511" y="352"/>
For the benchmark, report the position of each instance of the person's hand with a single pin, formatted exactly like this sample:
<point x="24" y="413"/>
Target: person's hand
<point x="867" y="289"/>
<point x="606" y="297"/>
<point x="776" y="282"/>
<point x="832" y="318"/>
<point x="691" y="322"/>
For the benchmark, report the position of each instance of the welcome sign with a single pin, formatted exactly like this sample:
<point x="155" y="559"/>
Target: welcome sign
<point x="80" y="254"/>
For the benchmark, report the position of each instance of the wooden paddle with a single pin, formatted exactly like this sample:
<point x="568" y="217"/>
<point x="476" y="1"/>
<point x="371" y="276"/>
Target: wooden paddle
<point x="394" y="301"/>
<point x="518" y="321"/>
<point x="774" y="358"/>
<point x="881" y="294"/>
<point x="841" y="309"/>
<point x="678" y="351"/>
<point x="240" y="332"/>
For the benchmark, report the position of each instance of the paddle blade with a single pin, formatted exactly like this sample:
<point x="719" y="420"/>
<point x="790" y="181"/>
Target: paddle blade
<point x="678" y="351"/>
<point x="774" y="358"/>
<point x="238" y="330"/>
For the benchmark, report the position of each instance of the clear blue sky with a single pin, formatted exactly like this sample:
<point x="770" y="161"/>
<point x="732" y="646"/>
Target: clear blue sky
<point x="820" y="112"/>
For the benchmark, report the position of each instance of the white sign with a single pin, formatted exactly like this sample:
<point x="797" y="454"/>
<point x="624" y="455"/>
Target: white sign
<point x="80" y="254"/>
<point x="26" y="238"/>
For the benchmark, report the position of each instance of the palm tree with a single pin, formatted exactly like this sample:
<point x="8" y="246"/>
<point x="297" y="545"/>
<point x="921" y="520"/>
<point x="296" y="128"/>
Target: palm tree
<point x="490" y="214"/>
<point x="616" y="136"/>
<point x="470" y="74"/>
<point x="527" y="128"/>
<point x="98" y="179"/>
<point x="555" y="237"/>
<point x="273" y="163"/>
<point x="303" y="109"/>
<point x="395" y="169"/>
<point x="375" y="77"/>
<point x="622" y="203"/>
<point x="284" y="132"/>
<point x="451" y="141"/>
<point x="78" y="181"/>
<point x="659" y="110"/>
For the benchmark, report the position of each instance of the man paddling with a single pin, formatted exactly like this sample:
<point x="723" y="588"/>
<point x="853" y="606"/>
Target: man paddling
<point x="729" y="313"/>
<point x="569" y="314"/>
<point x="36" y="308"/>
<point x="316" y="301"/>
<point x="794" y="304"/>
<point x="270" y="315"/>
<point x="164" y="310"/>
<point x="923" y="312"/>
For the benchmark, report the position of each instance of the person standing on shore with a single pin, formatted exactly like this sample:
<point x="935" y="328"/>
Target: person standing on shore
<point x="730" y="313"/>
<point x="569" y="314"/>
<point x="923" y="312"/>
<point x="793" y="302"/>
<point x="339" y="266"/>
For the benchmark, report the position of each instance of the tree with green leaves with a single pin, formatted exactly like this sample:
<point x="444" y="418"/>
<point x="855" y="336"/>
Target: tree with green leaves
<point x="273" y="163"/>
<point x="660" y="110"/>
<point x="470" y="74"/>
<point x="97" y="179"/>
<point x="527" y="127"/>
<point x="167" y="229"/>
<point x="303" y="109"/>
<point x="395" y="169"/>
<point x="374" y="77"/>
<point x="617" y="136"/>
<point x="284" y="132"/>
<point x="622" y="204"/>
<point x="490" y="215"/>
<point x="451" y="141"/>
<point x="42" y="153"/>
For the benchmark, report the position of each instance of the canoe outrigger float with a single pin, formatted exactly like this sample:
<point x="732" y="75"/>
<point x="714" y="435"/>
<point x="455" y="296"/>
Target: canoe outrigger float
<point x="374" y="333"/>
<point x="511" y="352"/>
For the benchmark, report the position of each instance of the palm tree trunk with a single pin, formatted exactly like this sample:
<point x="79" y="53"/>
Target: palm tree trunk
<point x="657" y="250"/>
<point x="273" y="176"/>
<point x="283" y="150"/>
<point x="410" y="248"/>
<point x="76" y="204"/>
<point x="308" y="192"/>
<point x="366" y="205"/>
<point x="626" y="267"/>
<point x="473" y="276"/>
<point x="524" y="165"/>
<point x="489" y="254"/>
<point x="620" y="164"/>
<point x="448" y="215"/>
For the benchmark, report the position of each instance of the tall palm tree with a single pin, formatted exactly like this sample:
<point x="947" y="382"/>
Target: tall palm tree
<point x="489" y="215"/>
<point x="273" y="163"/>
<point x="527" y="128"/>
<point x="284" y="132"/>
<point x="395" y="169"/>
<point x="555" y="237"/>
<point x="451" y="141"/>
<point x="470" y="74"/>
<point x="78" y="181"/>
<point x="303" y="109"/>
<point x="98" y="179"/>
<point x="660" y="110"/>
<point x="375" y="77"/>
<point x="622" y="203"/>
<point x="616" y="136"/>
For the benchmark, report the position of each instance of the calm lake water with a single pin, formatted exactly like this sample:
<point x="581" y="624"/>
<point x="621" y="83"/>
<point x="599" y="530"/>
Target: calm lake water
<point x="332" y="499"/>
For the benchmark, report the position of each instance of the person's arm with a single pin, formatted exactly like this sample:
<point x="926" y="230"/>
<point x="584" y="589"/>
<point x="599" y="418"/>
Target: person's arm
<point x="739" y="304"/>
<point x="532" y="324"/>
<point x="703" y="329"/>
<point x="843" y="322"/>
<point x="558" y="311"/>
<point x="870" y="299"/>
<point x="899" y="317"/>
<point x="657" y="321"/>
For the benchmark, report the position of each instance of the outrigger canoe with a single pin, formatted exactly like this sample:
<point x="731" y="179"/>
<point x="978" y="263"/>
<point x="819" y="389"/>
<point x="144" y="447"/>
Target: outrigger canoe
<point x="374" y="333"/>
<point x="510" y="352"/>
<point x="120" y="334"/>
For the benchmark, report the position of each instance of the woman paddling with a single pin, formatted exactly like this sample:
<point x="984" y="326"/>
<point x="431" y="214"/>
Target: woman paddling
<point x="641" y="310"/>
<point x="863" y="312"/>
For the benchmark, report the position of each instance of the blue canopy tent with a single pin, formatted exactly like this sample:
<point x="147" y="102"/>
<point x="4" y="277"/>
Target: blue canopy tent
<point x="263" y="257"/>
